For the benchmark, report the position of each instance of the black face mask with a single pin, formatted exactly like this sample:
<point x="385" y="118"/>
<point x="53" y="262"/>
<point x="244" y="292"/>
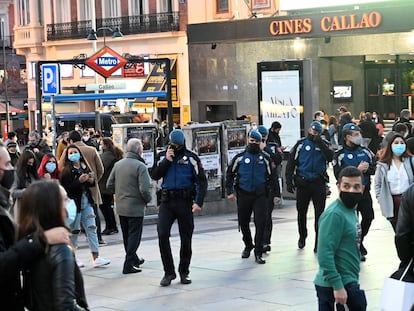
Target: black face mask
<point x="350" y="199"/>
<point x="253" y="148"/>
<point x="8" y="179"/>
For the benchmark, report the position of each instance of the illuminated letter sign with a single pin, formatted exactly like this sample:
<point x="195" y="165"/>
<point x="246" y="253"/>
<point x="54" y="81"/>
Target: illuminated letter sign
<point x="106" y="61"/>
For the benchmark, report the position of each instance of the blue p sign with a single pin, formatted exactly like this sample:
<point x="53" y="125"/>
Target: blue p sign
<point x="50" y="79"/>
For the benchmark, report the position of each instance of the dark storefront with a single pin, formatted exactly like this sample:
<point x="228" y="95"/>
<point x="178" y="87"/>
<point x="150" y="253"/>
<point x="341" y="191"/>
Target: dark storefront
<point x="370" y="48"/>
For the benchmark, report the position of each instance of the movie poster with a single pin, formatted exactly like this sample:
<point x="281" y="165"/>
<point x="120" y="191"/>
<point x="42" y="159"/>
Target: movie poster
<point x="147" y="139"/>
<point x="237" y="141"/>
<point x="206" y="146"/>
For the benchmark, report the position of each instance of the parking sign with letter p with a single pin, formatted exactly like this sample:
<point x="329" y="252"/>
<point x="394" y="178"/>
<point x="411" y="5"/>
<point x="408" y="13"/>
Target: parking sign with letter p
<point x="50" y="79"/>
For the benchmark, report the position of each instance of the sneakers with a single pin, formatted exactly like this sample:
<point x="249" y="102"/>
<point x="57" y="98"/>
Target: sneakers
<point x="102" y="243"/>
<point x="100" y="262"/>
<point x="79" y="263"/>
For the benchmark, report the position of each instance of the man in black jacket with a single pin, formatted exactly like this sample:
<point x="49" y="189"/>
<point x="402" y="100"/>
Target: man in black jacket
<point x="15" y="257"/>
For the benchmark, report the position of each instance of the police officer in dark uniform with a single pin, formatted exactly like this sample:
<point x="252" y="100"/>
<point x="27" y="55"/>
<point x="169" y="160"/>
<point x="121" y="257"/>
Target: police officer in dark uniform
<point x="306" y="170"/>
<point x="251" y="175"/>
<point x="276" y="157"/>
<point x="353" y="154"/>
<point x="183" y="189"/>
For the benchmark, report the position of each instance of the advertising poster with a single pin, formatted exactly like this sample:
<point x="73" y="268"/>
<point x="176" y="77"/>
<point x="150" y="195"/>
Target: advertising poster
<point x="147" y="139"/>
<point x="281" y="102"/>
<point x="206" y="146"/>
<point x="237" y="141"/>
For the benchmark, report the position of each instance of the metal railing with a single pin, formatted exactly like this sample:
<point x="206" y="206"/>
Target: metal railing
<point x="146" y="23"/>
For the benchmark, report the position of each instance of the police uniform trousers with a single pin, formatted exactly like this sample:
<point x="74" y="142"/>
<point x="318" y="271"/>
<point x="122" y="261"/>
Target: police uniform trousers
<point x="314" y="190"/>
<point x="180" y="209"/>
<point x="248" y="203"/>
<point x="269" y="221"/>
<point x="367" y="212"/>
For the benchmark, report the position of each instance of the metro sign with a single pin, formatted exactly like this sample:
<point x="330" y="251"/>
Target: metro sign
<point x="106" y="61"/>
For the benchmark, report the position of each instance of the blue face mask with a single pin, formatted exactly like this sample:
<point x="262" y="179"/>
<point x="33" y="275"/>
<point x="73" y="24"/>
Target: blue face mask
<point x="74" y="157"/>
<point x="398" y="149"/>
<point x="50" y="167"/>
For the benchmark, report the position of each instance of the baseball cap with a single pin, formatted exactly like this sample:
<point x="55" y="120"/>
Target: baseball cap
<point x="255" y="135"/>
<point x="342" y="109"/>
<point x="351" y="127"/>
<point x="263" y="130"/>
<point x="316" y="126"/>
<point x="177" y="137"/>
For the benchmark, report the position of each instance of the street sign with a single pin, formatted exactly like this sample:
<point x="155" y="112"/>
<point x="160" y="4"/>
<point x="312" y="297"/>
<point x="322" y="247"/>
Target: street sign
<point x="106" y="61"/>
<point x="50" y="79"/>
<point x="106" y="86"/>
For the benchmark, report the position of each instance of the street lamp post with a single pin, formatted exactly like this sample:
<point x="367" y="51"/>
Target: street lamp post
<point x="116" y="33"/>
<point x="6" y="97"/>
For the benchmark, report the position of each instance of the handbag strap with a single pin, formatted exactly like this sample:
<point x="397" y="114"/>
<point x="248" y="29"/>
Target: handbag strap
<point x="406" y="269"/>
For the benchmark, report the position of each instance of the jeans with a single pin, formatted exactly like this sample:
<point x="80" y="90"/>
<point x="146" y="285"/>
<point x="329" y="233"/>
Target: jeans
<point x="356" y="298"/>
<point x="131" y="234"/>
<point x="87" y="218"/>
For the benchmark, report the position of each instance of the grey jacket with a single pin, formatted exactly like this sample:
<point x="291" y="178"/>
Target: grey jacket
<point x="382" y="188"/>
<point x="130" y="181"/>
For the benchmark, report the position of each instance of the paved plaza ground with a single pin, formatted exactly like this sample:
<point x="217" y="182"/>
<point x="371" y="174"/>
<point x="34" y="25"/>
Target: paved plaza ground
<point x="222" y="280"/>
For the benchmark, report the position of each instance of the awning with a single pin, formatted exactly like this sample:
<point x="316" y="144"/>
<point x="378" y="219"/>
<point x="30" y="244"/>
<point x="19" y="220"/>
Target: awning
<point x="11" y="109"/>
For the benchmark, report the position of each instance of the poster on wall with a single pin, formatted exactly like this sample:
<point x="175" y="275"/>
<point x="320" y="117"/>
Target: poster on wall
<point x="281" y="102"/>
<point x="206" y="147"/>
<point x="146" y="136"/>
<point x="237" y="141"/>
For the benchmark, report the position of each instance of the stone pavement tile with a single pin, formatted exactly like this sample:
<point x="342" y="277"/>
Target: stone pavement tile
<point x="224" y="281"/>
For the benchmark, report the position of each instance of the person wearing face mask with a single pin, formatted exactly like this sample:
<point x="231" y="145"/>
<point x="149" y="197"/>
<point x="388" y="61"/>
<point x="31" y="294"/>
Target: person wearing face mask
<point x="353" y="154"/>
<point x="77" y="179"/>
<point x="337" y="280"/>
<point x="26" y="173"/>
<point x="18" y="255"/>
<point x="393" y="176"/>
<point x="48" y="167"/>
<point x="250" y="178"/>
<point x="183" y="189"/>
<point x="306" y="172"/>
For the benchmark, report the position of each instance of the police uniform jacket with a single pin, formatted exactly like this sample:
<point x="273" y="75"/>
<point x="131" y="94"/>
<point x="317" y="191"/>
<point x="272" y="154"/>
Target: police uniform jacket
<point x="352" y="156"/>
<point x="251" y="172"/>
<point x="185" y="172"/>
<point x="308" y="159"/>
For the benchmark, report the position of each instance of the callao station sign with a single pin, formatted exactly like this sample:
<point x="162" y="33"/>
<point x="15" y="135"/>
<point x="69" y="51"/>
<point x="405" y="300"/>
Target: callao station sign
<point x="106" y="61"/>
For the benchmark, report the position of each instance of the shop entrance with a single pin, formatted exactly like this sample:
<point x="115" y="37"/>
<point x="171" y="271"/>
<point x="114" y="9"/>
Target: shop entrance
<point x="389" y="84"/>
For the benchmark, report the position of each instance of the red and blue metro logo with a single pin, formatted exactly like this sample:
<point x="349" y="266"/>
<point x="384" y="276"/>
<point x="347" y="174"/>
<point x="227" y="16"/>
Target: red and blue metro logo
<point x="106" y="61"/>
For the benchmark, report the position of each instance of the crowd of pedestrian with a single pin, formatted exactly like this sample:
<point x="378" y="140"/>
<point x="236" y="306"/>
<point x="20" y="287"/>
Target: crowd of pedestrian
<point x="37" y="187"/>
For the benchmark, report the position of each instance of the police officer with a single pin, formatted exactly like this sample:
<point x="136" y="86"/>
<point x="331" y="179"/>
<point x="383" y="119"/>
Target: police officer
<point x="251" y="175"/>
<point x="306" y="171"/>
<point x="182" y="193"/>
<point x="353" y="154"/>
<point x="274" y="195"/>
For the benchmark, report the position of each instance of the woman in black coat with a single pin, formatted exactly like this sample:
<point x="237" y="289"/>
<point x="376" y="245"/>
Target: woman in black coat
<point x="111" y="154"/>
<point x="54" y="281"/>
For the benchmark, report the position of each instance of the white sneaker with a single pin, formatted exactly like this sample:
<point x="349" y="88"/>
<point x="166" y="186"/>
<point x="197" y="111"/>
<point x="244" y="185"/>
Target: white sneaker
<point x="79" y="263"/>
<point x="100" y="261"/>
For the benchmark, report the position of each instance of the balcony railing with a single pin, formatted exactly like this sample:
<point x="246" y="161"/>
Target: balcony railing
<point x="146" y="23"/>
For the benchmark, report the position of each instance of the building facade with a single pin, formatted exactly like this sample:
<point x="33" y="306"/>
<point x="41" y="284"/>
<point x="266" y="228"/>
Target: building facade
<point x="57" y="30"/>
<point x="367" y="48"/>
